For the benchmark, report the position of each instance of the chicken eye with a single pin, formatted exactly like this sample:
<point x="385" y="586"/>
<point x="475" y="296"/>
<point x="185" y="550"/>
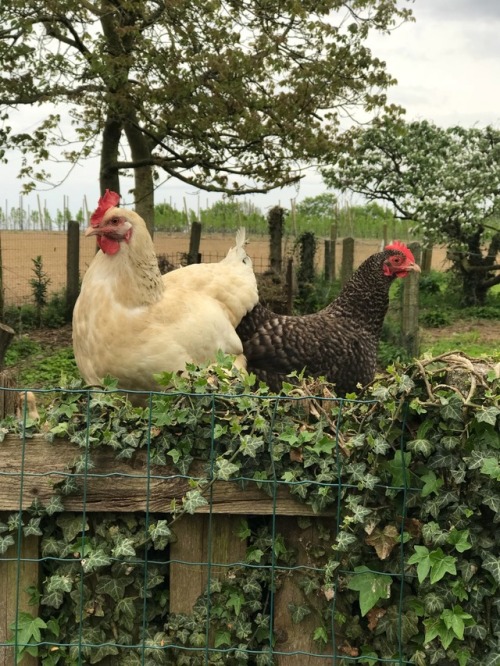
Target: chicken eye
<point x="396" y="260"/>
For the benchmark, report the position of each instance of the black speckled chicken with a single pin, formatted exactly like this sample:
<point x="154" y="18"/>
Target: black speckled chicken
<point x="339" y="342"/>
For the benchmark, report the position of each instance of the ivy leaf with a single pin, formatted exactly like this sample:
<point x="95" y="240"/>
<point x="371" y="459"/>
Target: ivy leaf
<point x="435" y="628"/>
<point x="456" y="620"/>
<point x="432" y="483"/>
<point x="54" y="505"/>
<point x="371" y="587"/>
<point x="54" y="598"/>
<point x="459" y="539"/>
<point x="28" y="628"/>
<point x="441" y="564"/>
<point x="422" y="446"/>
<point x="421" y="557"/>
<point x="5" y="543"/>
<point x="299" y="612"/>
<point x="492" y="499"/>
<point x="124" y="548"/>
<point x="492" y="564"/>
<point x="102" y="651"/>
<point x="452" y="408"/>
<point x="398" y="468"/>
<point x="250" y="446"/>
<point x="235" y="601"/>
<point x="222" y="638"/>
<point x="344" y="541"/>
<point x="94" y="560"/>
<point x="160" y="533"/>
<point x="491" y="467"/>
<point x="383" y="540"/>
<point x="321" y="635"/>
<point x="488" y="415"/>
<point x="193" y="500"/>
<point x="225" y="469"/>
<point x="33" y="527"/>
<point x="115" y="587"/>
<point x="126" y="607"/>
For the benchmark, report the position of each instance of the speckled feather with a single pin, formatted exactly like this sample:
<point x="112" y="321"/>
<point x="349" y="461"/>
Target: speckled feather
<point x="339" y="342"/>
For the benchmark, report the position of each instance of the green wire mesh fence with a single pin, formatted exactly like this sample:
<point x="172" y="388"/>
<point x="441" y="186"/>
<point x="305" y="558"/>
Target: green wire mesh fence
<point x="215" y="527"/>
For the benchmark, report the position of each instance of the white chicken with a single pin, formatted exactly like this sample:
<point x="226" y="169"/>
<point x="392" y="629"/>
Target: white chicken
<point x="130" y="322"/>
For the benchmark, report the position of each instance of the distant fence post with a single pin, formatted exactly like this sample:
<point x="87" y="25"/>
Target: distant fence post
<point x="426" y="259"/>
<point x="328" y="260"/>
<point x="7" y="398"/>
<point x="347" y="267"/>
<point x="275" y="221"/>
<point x="334" y="230"/>
<point x="194" y="256"/>
<point x="72" y="267"/>
<point x="289" y="286"/>
<point x="409" y="310"/>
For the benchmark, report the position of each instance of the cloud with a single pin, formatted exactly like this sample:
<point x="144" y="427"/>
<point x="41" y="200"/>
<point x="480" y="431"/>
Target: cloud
<point x="471" y="11"/>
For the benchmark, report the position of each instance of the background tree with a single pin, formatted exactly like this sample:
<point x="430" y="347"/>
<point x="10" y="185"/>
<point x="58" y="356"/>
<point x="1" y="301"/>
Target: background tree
<point x="322" y="205"/>
<point x="447" y="181"/>
<point x="226" y="97"/>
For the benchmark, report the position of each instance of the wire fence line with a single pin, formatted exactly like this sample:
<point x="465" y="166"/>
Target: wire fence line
<point x="19" y="249"/>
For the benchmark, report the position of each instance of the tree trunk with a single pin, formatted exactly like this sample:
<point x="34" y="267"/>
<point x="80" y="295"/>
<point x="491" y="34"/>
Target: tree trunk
<point x="476" y="269"/>
<point x="140" y="149"/>
<point x="109" y="177"/>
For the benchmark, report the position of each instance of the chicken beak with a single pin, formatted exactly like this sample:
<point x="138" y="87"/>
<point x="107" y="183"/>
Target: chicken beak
<point x="414" y="267"/>
<point x="91" y="231"/>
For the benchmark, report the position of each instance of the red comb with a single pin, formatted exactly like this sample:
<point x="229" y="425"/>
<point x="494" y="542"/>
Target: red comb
<point x="108" y="200"/>
<point x="401" y="247"/>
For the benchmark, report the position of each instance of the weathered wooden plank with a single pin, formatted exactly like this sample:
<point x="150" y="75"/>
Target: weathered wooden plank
<point x="202" y="545"/>
<point x="29" y="470"/>
<point x="291" y="637"/>
<point x="16" y="576"/>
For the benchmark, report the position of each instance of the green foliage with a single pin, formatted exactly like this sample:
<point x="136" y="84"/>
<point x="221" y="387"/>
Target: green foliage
<point x="39" y="285"/>
<point x="54" y="312"/>
<point x="210" y="88"/>
<point x="435" y="318"/>
<point x="443" y="180"/>
<point x="406" y="568"/>
<point x="28" y="317"/>
<point x="44" y="370"/>
<point x="21" y="347"/>
<point x="21" y="318"/>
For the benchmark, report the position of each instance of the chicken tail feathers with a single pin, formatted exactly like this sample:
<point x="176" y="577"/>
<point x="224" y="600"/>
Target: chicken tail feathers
<point x="238" y="252"/>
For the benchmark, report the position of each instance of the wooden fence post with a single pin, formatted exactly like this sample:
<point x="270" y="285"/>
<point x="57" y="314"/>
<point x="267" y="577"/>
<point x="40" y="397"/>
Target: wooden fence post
<point x="328" y="260"/>
<point x="347" y="267"/>
<point x="275" y="221"/>
<point x="200" y="541"/>
<point x="333" y="237"/>
<point x="292" y="637"/>
<point x="16" y="576"/>
<point x="409" y="310"/>
<point x="426" y="259"/>
<point x="289" y="286"/>
<point x="72" y="267"/>
<point x="194" y="256"/>
<point x="7" y="398"/>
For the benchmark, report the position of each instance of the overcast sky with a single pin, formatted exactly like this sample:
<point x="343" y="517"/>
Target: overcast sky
<point x="447" y="64"/>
